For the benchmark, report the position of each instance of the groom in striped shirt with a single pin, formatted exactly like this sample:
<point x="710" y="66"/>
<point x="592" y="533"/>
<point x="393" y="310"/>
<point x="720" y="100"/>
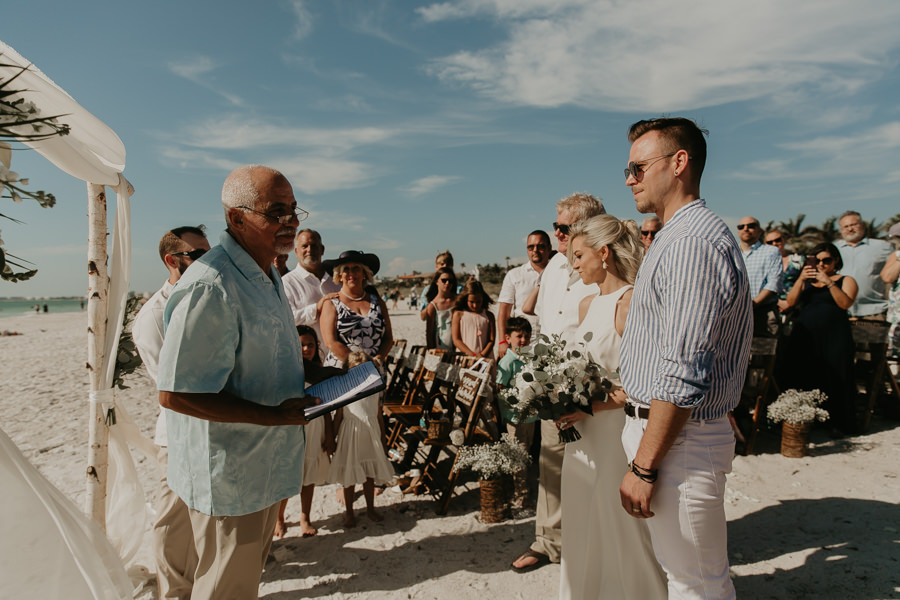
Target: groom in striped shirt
<point x="683" y="360"/>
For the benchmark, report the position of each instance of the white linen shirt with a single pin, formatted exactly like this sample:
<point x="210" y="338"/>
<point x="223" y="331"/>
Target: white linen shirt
<point x="517" y="286"/>
<point x="147" y="333"/>
<point x="561" y="292"/>
<point x="303" y="290"/>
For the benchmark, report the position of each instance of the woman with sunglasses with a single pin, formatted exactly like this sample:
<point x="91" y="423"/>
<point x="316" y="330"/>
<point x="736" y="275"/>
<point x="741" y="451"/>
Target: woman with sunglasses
<point x="438" y="315"/>
<point x="820" y="348"/>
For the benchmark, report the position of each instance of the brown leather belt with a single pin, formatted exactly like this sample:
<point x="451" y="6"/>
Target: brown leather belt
<point x="641" y="412"/>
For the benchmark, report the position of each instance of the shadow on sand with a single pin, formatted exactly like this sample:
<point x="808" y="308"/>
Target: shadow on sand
<point x="848" y="544"/>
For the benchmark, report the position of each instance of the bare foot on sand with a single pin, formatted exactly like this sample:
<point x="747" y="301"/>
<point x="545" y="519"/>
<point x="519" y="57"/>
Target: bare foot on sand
<point x="280" y="529"/>
<point x="374" y="515"/>
<point x="349" y="520"/>
<point x="306" y="530"/>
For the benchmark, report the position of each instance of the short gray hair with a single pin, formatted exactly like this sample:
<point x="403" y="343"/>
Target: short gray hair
<point x="239" y="188"/>
<point x="650" y="219"/>
<point x="581" y="205"/>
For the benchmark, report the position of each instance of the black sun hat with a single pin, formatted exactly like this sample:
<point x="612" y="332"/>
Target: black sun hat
<point x="353" y="256"/>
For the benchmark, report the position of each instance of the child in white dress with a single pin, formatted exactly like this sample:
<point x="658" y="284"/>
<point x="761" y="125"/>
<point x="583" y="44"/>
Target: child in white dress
<point x="360" y="456"/>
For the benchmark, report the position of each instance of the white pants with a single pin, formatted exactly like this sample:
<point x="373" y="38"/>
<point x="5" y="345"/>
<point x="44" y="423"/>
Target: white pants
<point x="688" y="528"/>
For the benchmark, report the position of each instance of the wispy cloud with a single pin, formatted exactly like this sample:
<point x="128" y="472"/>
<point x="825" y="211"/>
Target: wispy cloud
<point x="316" y="175"/>
<point x="647" y="57"/>
<point x="304" y="22"/>
<point x="198" y="70"/>
<point x="428" y="184"/>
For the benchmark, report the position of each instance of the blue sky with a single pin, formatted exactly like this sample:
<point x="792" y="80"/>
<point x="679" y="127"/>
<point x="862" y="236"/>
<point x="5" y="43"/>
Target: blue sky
<point x="410" y="127"/>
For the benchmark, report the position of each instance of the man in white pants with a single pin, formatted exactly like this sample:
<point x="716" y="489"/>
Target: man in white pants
<point x="683" y="360"/>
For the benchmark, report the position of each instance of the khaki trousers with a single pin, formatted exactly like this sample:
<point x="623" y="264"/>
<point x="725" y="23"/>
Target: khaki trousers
<point x="548" y="521"/>
<point x="173" y="541"/>
<point x="232" y="552"/>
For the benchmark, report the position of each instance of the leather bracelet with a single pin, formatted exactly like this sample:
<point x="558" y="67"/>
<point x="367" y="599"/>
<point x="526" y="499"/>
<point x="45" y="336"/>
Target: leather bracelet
<point x="646" y="475"/>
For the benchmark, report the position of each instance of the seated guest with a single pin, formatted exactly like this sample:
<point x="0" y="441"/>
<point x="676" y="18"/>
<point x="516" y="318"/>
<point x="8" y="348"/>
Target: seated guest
<point x="821" y="344"/>
<point x="441" y="295"/>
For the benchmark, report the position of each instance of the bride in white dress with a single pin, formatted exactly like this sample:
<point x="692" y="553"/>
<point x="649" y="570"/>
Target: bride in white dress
<point x="605" y="552"/>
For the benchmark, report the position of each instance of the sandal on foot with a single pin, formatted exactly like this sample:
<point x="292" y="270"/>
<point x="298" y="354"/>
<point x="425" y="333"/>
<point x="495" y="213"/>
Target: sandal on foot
<point x="541" y="559"/>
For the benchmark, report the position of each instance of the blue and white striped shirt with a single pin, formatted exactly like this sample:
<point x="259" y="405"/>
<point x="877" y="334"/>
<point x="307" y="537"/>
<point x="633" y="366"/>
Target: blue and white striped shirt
<point x="689" y="328"/>
<point x="764" y="269"/>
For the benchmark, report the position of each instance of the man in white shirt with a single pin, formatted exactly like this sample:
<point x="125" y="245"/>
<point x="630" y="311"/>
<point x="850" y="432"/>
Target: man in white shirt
<point x="173" y="540"/>
<point x="520" y="282"/>
<point x="560" y="292"/>
<point x="308" y="286"/>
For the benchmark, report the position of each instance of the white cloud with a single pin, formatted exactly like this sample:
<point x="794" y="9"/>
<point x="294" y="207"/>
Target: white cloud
<point x="315" y="175"/>
<point x="397" y="266"/>
<point x="197" y="70"/>
<point x="651" y="56"/>
<point x="381" y="242"/>
<point x="233" y="132"/>
<point x="428" y="184"/>
<point x="304" y="22"/>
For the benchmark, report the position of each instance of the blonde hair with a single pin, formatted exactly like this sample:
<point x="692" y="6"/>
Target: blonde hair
<point x="581" y="206"/>
<point x="357" y="357"/>
<point x="620" y="236"/>
<point x="336" y="274"/>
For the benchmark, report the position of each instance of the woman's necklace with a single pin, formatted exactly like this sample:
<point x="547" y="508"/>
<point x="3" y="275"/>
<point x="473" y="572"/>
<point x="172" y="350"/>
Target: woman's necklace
<point x="349" y="297"/>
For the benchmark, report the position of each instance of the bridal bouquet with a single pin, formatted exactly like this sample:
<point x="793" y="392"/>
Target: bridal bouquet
<point x="555" y="381"/>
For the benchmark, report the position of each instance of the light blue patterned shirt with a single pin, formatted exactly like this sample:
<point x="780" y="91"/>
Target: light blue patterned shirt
<point x="764" y="269"/>
<point x="689" y="328"/>
<point x="863" y="262"/>
<point x="229" y="328"/>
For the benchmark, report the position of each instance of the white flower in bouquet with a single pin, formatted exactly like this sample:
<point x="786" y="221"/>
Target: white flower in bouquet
<point x="554" y="381"/>
<point x="798" y="407"/>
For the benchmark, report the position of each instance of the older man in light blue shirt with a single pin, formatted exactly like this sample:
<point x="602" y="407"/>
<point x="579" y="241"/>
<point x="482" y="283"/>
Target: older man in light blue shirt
<point x="863" y="259"/>
<point x="231" y="379"/>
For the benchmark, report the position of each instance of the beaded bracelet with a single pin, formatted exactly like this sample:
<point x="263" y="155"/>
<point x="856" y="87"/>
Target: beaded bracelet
<point x="647" y="475"/>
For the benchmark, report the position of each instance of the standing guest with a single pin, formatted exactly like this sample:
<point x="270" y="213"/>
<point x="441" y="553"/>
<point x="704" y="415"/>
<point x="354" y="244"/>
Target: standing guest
<point x="864" y="258"/>
<point x="791" y="264"/>
<point x="518" y="335"/>
<point x="820" y="348"/>
<point x="604" y="251"/>
<point x="890" y="275"/>
<point x="764" y="272"/>
<point x="231" y="379"/>
<point x="473" y="326"/>
<point x="308" y="286"/>
<point x="649" y="228"/>
<point x="438" y="314"/>
<point x="319" y="438"/>
<point x="555" y="302"/>
<point x="443" y="259"/>
<point x="357" y="321"/>
<point x="173" y="541"/>
<point x="520" y="282"/>
<point x="683" y="359"/>
<point x="280" y="263"/>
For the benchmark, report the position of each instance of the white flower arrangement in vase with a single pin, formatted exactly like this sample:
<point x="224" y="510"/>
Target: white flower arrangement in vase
<point x="798" y="407"/>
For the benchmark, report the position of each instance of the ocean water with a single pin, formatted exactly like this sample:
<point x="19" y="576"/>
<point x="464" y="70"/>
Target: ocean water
<point x="17" y="308"/>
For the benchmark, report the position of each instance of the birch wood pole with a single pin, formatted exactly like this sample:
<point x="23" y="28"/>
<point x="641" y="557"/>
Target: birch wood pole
<point x="98" y="299"/>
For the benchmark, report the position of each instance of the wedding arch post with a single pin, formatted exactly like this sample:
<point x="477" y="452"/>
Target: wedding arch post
<point x="98" y="298"/>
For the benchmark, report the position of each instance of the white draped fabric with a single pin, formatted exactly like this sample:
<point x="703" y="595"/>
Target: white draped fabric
<point x="93" y="153"/>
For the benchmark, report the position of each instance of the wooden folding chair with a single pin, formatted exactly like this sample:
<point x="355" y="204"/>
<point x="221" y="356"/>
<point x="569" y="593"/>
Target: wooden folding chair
<point x="406" y="413"/>
<point x="405" y="375"/>
<point x="393" y="360"/>
<point x="870" y="365"/>
<point x="758" y="386"/>
<point x="468" y="404"/>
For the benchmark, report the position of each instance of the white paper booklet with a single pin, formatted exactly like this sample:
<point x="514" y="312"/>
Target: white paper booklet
<point x="357" y="383"/>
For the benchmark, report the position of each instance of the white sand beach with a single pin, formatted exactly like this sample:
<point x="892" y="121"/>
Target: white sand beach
<point x="825" y="526"/>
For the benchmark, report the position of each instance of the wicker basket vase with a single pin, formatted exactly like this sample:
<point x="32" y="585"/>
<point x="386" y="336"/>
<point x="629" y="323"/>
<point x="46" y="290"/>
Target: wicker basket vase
<point x="795" y="439"/>
<point x="494" y="499"/>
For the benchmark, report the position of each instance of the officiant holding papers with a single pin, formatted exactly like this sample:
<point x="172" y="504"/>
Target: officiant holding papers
<point x="232" y="383"/>
<point x="356" y="327"/>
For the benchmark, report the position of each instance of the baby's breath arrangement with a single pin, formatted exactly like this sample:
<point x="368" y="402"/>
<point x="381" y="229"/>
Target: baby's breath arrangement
<point x="490" y="461"/>
<point x="798" y="407"/>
